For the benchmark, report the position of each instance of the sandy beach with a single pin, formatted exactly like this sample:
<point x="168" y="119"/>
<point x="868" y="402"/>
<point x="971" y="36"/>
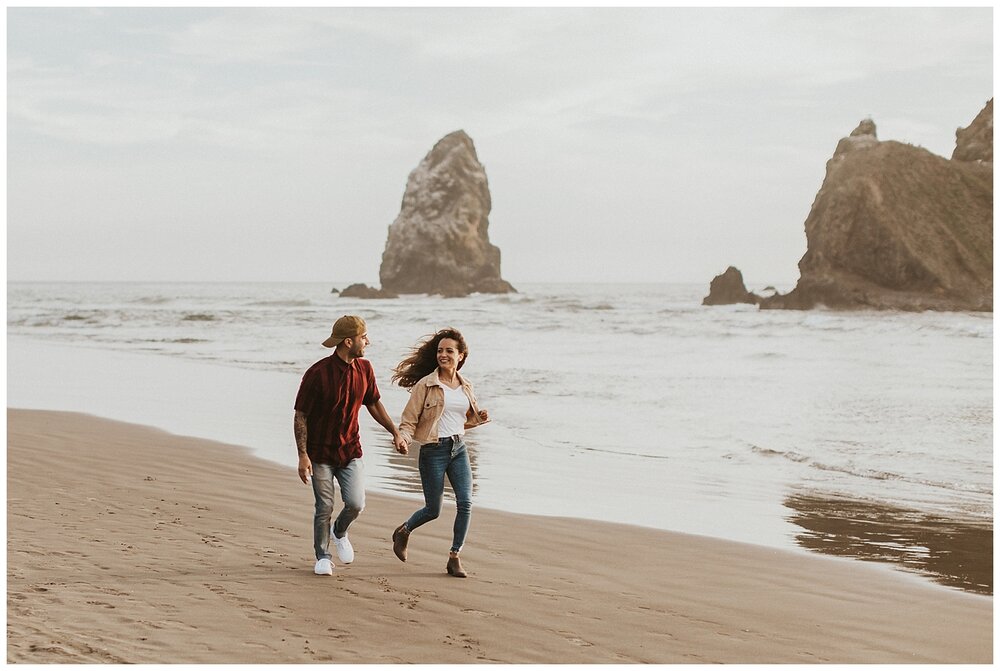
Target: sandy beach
<point x="128" y="544"/>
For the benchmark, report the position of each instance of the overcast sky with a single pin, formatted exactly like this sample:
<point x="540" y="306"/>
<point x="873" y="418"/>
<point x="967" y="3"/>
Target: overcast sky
<point x="648" y="145"/>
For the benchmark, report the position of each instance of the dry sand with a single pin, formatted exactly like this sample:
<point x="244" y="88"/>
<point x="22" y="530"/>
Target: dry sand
<point x="127" y="544"/>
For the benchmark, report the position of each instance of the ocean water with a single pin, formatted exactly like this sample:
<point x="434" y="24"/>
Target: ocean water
<point x="859" y="434"/>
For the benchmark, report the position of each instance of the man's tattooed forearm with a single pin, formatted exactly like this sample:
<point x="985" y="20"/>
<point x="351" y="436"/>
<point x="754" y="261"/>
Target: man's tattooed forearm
<point x="300" y="432"/>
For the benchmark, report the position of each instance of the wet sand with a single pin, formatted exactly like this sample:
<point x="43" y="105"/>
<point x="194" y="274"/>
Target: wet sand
<point x="948" y="551"/>
<point x="128" y="544"/>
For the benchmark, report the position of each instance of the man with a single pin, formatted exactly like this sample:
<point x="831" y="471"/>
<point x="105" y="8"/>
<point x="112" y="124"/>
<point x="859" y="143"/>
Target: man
<point x="326" y="434"/>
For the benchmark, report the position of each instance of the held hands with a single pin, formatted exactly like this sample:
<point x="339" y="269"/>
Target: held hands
<point x="483" y="415"/>
<point x="400" y="444"/>
<point x="305" y="468"/>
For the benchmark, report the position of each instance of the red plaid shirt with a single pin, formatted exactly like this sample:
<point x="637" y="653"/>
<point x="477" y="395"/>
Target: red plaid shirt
<point x="330" y="396"/>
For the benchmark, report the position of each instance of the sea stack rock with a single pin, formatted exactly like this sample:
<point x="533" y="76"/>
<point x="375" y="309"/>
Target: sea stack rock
<point x="975" y="143"/>
<point x="728" y="288"/>
<point x="439" y="243"/>
<point x="364" y="291"/>
<point x="896" y="227"/>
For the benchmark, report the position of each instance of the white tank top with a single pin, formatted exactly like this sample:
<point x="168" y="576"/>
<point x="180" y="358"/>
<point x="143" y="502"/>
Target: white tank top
<point x="456" y="405"/>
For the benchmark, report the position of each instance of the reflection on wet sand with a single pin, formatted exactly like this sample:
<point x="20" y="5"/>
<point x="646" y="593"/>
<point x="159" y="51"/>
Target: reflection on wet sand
<point x="406" y="472"/>
<point x="957" y="554"/>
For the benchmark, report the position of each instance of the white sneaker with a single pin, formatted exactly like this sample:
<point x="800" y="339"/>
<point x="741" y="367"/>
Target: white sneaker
<point x="323" y="567"/>
<point x="344" y="548"/>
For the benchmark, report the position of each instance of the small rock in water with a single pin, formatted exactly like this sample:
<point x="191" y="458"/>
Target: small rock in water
<point x="364" y="291"/>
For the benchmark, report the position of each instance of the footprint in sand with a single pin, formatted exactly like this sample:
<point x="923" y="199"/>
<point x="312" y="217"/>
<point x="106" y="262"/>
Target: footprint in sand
<point x="249" y="608"/>
<point x="338" y="634"/>
<point x="575" y="640"/>
<point x="551" y="593"/>
<point x="483" y="613"/>
<point x="100" y="603"/>
<point x="466" y="641"/>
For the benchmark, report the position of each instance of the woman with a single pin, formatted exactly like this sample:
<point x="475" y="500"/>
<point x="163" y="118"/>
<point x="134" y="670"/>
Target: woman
<point x="441" y="407"/>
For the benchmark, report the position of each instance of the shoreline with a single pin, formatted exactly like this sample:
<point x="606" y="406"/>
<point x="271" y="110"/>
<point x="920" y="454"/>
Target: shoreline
<point x="155" y="390"/>
<point x="117" y="554"/>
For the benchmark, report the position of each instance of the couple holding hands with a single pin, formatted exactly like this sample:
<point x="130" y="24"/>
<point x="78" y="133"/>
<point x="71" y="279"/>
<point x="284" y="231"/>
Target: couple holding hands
<point x="441" y="407"/>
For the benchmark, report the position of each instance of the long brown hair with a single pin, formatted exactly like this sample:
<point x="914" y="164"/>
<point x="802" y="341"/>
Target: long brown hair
<point x="422" y="360"/>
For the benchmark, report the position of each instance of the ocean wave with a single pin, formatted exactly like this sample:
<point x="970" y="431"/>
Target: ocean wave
<point x="695" y="312"/>
<point x="69" y="321"/>
<point x="291" y="303"/>
<point x="789" y="455"/>
<point x="968" y="325"/>
<point x="198" y="317"/>
<point x="572" y="305"/>
<point x="870" y="473"/>
<point x="622" y="453"/>
<point x="508" y="299"/>
<point x="984" y="330"/>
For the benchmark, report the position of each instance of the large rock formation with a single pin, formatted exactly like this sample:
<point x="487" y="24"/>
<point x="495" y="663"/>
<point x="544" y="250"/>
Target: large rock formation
<point x="728" y="288"/>
<point x="897" y="227"/>
<point x="439" y="243"/>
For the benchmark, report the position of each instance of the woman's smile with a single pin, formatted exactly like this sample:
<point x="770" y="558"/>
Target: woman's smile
<point x="448" y="354"/>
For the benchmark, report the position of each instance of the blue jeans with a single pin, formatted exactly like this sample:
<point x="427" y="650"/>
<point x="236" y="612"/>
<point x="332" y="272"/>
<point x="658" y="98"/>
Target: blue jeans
<point x="448" y="455"/>
<point x="352" y="490"/>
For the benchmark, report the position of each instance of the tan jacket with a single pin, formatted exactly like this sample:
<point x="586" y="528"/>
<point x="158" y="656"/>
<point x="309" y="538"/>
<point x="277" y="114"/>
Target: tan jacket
<point x="426" y="405"/>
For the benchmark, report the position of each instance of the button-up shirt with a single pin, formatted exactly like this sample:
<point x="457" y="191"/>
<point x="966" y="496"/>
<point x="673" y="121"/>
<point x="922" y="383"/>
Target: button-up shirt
<point x="330" y="396"/>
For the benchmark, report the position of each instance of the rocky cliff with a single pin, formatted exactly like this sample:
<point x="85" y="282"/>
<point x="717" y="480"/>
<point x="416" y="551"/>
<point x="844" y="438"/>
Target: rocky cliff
<point x="896" y="227"/>
<point x="439" y="243"/>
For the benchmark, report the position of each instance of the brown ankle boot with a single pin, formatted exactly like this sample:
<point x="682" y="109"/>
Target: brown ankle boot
<point x="455" y="568"/>
<point x="399" y="539"/>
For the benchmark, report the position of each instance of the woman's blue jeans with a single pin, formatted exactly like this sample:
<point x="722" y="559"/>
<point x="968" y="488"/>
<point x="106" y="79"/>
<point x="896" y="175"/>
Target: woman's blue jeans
<point x="447" y="456"/>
